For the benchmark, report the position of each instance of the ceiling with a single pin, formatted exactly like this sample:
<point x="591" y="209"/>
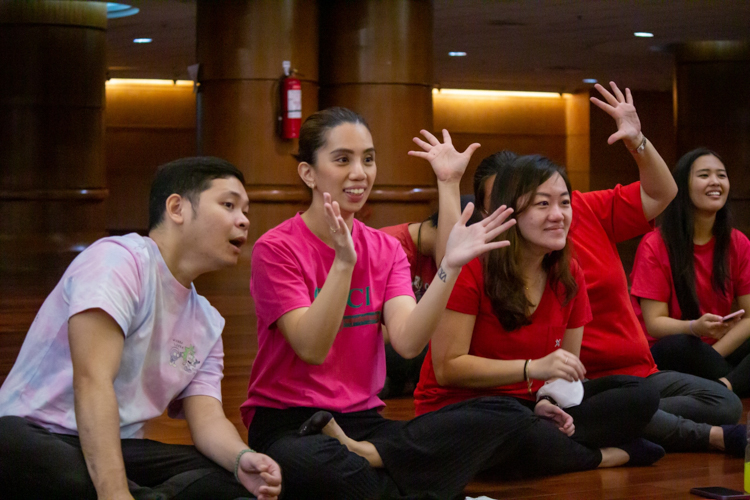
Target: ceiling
<point x="549" y="45"/>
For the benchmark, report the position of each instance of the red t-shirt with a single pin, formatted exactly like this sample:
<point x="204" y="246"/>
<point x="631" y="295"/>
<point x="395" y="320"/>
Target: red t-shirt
<point x="652" y="277"/>
<point x="422" y="267"/>
<point x="613" y="342"/>
<point x="490" y="340"/>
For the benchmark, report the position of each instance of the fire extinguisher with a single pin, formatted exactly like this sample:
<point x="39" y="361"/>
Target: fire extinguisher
<point x="291" y="103"/>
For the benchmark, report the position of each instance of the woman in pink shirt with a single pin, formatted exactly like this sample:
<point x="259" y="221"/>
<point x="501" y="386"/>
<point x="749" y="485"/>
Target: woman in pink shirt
<point x="688" y="273"/>
<point x="323" y="284"/>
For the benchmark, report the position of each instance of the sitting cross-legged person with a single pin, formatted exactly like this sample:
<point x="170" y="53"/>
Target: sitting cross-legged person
<point x="124" y="336"/>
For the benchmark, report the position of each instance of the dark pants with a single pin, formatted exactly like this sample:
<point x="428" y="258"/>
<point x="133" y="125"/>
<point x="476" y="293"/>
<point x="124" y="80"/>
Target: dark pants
<point x="689" y="354"/>
<point x="615" y="410"/>
<point x="35" y="463"/>
<point x="431" y="456"/>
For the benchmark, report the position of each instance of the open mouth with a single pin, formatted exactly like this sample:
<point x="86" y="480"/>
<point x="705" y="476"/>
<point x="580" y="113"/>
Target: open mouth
<point x="713" y="193"/>
<point x="238" y="242"/>
<point x="355" y="191"/>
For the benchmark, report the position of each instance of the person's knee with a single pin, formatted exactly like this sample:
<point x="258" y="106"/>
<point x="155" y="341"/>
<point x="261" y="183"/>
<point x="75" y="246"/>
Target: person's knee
<point x="730" y="410"/>
<point x="319" y="465"/>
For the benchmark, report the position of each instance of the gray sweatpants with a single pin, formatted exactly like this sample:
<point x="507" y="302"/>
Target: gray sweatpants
<point x="688" y="408"/>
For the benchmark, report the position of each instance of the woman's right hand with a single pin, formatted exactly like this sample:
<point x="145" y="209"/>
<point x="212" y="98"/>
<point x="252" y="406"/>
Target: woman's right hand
<point x="342" y="239"/>
<point x="711" y="325"/>
<point x="557" y="364"/>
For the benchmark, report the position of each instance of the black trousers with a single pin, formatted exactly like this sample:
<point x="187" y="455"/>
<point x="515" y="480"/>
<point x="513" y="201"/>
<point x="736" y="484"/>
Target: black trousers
<point x="35" y="463"/>
<point x="431" y="456"/>
<point x="615" y="410"/>
<point x="689" y="354"/>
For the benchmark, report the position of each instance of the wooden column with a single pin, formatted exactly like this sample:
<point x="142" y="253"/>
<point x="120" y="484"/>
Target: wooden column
<point x="712" y="107"/>
<point x="376" y="58"/>
<point x="241" y="46"/>
<point x="52" y="186"/>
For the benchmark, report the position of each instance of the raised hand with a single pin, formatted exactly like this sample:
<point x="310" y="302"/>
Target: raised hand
<point x="467" y="242"/>
<point x="260" y="475"/>
<point x="447" y="163"/>
<point x="621" y="108"/>
<point x="342" y="239"/>
<point x="562" y="420"/>
<point x="557" y="364"/>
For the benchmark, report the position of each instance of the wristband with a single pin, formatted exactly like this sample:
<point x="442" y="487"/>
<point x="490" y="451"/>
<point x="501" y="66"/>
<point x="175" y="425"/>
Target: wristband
<point x="690" y="325"/>
<point x="237" y="462"/>
<point x="640" y="148"/>
<point x="548" y="398"/>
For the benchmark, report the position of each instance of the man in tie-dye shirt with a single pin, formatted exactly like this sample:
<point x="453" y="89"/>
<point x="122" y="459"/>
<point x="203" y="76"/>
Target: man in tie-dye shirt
<point x="124" y="336"/>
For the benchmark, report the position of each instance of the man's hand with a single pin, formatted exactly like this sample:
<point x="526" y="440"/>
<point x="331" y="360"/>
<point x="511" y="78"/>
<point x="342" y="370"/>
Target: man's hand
<point x="448" y="164"/>
<point x="260" y="475"/>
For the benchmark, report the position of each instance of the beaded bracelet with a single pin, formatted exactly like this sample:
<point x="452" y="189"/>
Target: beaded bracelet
<point x="237" y="462"/>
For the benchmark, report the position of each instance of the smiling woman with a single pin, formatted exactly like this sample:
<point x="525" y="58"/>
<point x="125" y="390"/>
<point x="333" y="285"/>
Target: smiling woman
<point x="688" y="273"/>
<point x="323" y="285"/>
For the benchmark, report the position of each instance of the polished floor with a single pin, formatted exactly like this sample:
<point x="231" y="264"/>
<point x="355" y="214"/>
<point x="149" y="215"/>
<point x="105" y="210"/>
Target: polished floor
<point x="671" y="478"/>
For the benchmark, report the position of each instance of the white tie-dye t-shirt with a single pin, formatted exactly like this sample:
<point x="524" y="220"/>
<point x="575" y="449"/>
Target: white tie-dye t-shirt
<point x="172" y="348"/>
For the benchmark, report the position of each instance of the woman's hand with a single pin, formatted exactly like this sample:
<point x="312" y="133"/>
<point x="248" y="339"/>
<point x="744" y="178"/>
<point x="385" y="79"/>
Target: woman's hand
<point x="711" y="325"/>
<point x="448" y="164"/>
<point x="621" y="108"/>
<point x="562" y="420"/>
<point x="260" y="475"/>
<point x="467" y="242"/>
<point x="342" y="239"/>
<point x="557" y="364"/>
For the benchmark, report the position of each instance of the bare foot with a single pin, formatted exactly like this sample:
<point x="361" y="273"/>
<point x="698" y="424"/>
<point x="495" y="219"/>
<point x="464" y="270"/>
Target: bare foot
<point x="364" y="449"/>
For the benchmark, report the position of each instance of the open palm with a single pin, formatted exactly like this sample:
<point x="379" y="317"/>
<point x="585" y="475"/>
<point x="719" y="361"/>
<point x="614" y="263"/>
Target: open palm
<point x="447" y="163"/>
<point x="468" y="242"/>
<point x="621" y="108"/>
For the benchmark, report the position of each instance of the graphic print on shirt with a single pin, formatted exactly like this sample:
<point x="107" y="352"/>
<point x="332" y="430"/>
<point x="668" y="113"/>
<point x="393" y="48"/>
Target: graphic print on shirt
<point x="557" y="342"/>
<point x="189" y="363"/>
<point x="357" y="298"/>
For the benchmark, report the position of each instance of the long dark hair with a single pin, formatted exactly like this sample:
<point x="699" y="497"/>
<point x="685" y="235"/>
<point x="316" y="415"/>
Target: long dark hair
<point x="515" y="186"/>
<point x="677" y="231"/>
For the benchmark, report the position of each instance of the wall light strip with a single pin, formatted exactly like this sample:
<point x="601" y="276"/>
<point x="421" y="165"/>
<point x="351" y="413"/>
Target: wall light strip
<point x="140" y="81"/>
<point x="497" y="93"/>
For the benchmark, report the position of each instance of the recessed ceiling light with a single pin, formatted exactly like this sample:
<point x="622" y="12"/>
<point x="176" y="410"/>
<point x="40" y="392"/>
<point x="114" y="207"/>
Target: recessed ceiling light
<point x="457" y="54"/>
<point x="142" y="40"/>
<point x="590" y="80"/>
<point x="115" y="10"/>
<point x="643" y="34"/>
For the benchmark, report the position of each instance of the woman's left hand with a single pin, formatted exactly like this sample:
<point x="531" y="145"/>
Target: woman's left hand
<point x="621" y="108"/>
<point x="468" y="242"/>
<point x="557" y="415"/>
<point x="448" y="164"/>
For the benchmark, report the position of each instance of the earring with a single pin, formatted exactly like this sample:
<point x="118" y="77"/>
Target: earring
<point x="312" y="185"/>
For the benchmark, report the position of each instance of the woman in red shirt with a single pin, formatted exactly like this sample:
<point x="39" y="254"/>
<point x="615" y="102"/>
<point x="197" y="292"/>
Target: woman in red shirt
<point x="687" y="274"/>
<point x="515" y="320"/>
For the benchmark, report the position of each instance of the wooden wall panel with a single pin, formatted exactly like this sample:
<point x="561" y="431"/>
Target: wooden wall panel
<point x="146" y="126"/>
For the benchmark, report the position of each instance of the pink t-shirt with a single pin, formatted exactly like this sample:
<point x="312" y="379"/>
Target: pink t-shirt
<point x="172" y="347"/>
<point x="652" y="277"/>
<point x="289" y="267"/>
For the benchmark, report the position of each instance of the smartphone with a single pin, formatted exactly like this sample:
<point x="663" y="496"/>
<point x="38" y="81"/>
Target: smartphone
<point x="734" y="314"/>
<point x="719" y="492"/>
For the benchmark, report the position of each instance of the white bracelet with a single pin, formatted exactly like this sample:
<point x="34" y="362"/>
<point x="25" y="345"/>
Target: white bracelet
<point x="237" y="462"/>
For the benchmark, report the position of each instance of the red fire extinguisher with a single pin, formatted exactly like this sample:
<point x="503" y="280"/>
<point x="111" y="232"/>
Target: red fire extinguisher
<point x="291" y="103"/>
